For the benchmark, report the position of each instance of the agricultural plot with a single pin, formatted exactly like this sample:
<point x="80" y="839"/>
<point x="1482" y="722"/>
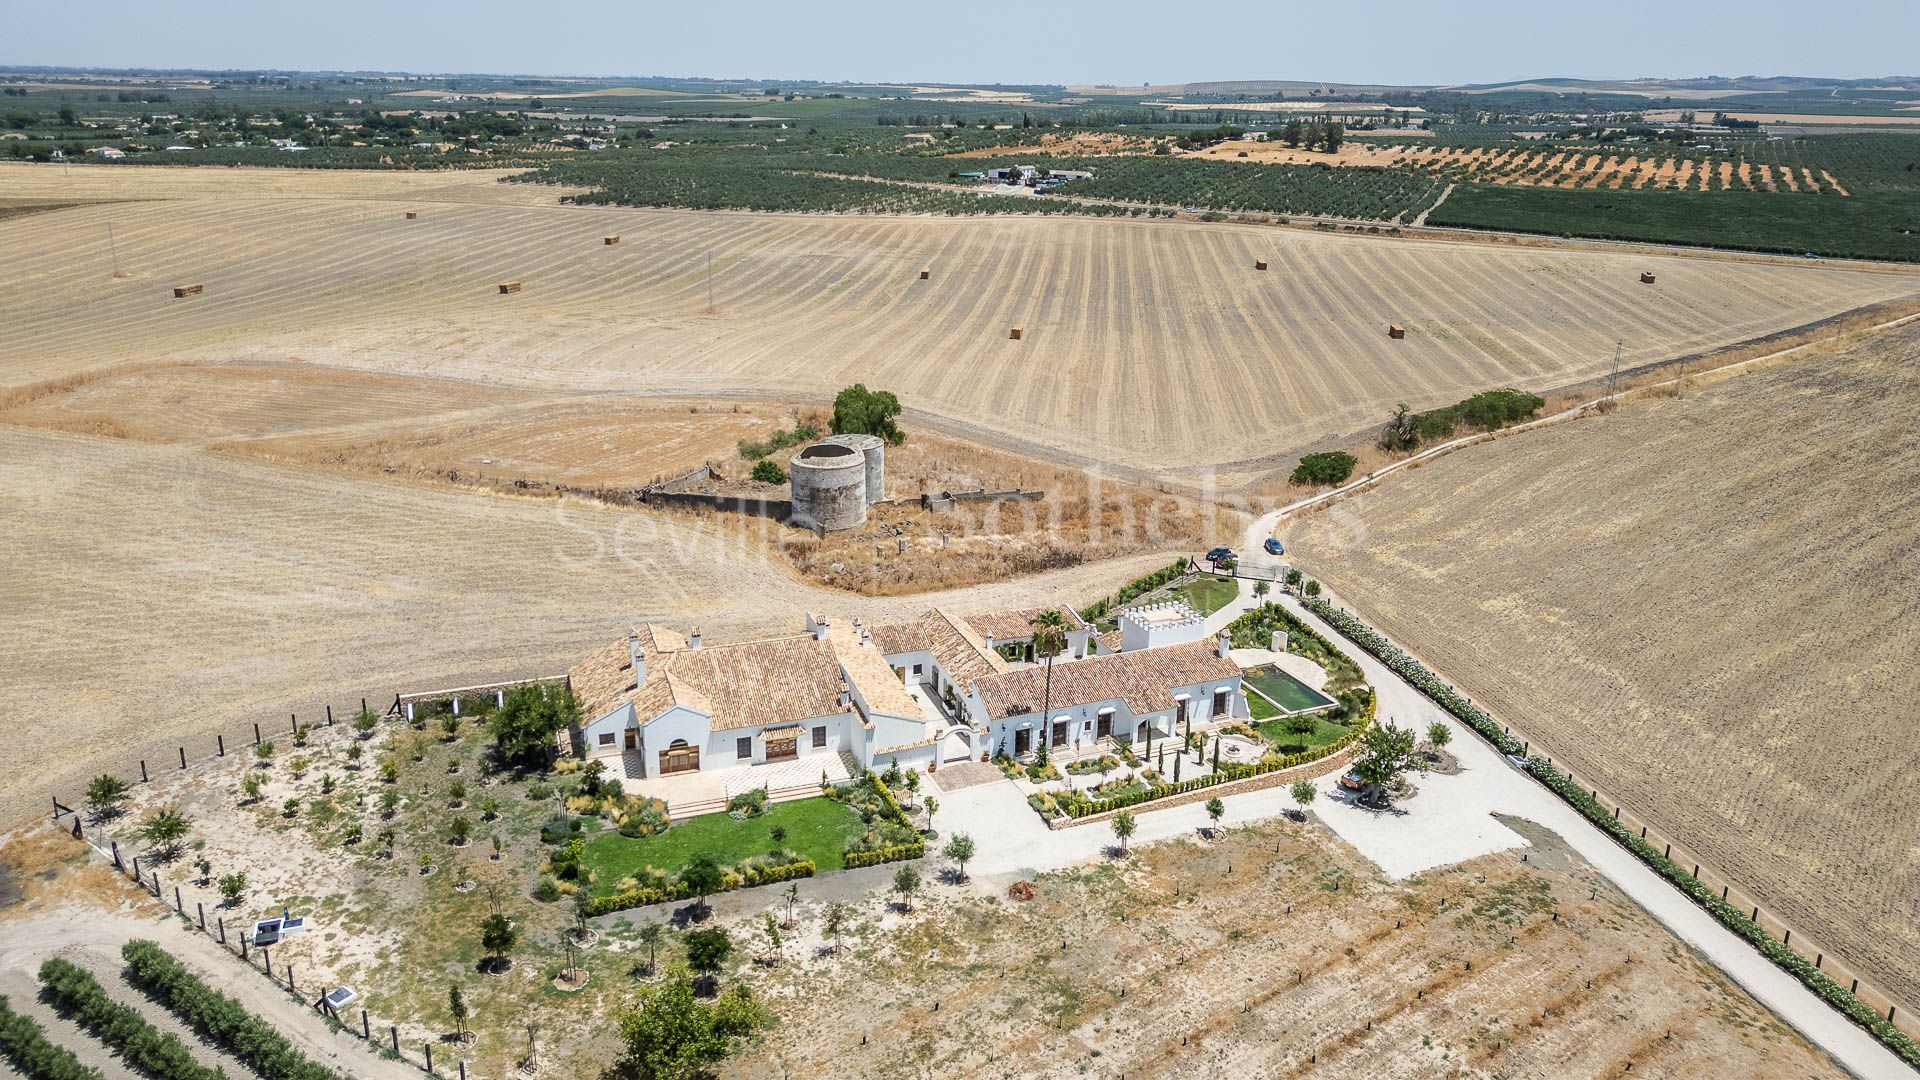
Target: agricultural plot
<point x="1273" y="952"/>
<point x="1702" y="605"/>
<point x="199" y="592"/>
<point x="1136" y="334"/>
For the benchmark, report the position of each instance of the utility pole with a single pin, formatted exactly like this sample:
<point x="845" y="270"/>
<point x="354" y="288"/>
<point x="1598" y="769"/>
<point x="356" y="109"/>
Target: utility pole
<point x="1613" y="379"/>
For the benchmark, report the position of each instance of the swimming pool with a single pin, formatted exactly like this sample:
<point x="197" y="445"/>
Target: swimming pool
<point x="1287" y="693"/>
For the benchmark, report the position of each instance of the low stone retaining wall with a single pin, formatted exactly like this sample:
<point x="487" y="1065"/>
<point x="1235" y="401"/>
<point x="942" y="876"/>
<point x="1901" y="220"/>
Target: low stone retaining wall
<point x="1331" y="763"/>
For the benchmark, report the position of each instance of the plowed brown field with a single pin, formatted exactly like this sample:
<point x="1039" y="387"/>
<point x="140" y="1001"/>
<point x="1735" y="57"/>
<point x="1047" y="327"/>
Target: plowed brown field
<point x="1704" y="605"/>
<point x="1153" y="345"/>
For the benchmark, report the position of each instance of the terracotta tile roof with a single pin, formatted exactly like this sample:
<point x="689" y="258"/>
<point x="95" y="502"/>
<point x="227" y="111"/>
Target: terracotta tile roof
<point x="1144" y="679"/>
<point x="754" y="683"/>
<point x="1017" y="624"/>
<point x="867" y="669"/>
<point x="740" y="684"/>
<point x="956" y="647"/>
<point x="603" y="680"/>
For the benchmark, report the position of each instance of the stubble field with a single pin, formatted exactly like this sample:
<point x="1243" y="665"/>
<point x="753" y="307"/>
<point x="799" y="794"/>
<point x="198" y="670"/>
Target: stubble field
<point x="1706" y="606"/>
<point x="1150" y="345"/>
<point x="160" y="593"/>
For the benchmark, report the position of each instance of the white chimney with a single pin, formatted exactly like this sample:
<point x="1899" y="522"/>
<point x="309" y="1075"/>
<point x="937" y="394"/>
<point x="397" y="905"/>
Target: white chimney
<point x="1226" y="644"/>
<point x="638" y="658"/>
<point x="817" y="626"/>
<point x="693" y="640"/>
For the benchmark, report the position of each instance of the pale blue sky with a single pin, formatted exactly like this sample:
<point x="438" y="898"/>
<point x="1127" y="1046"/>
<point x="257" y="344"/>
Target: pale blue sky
<point x="1117" y="41"/>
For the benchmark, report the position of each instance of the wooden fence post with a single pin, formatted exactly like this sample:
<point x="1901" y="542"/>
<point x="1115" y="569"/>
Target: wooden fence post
<point x="366" y="1026"/>
<point x="116" y="855"/>
<point x="329" y="716"/>
<point x="202" y="909"/>
<point x="256" y="733"/>
<point x="143" y="772"/>
<point x="396" y="1039"/>
<point x="183" y="757"/>
<point x="429" y="1047"/>
<point x="221" y="740"/>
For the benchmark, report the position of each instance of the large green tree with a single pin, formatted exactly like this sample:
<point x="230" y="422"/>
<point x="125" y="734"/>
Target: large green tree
<point x="703" y="877"/>
<point x="1386" y="751"/>
<point x="860" y="411"/>
<point x="670" y="1034"/>
<point x="523" y="728"/>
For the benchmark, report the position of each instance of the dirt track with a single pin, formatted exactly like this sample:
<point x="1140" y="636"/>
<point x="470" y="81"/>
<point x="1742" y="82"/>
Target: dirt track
<point x="1705" y="606"/>
<point x="1146" y="344"/>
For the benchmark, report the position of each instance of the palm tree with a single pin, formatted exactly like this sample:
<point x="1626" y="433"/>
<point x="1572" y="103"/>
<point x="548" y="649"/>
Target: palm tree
<point x="650" y="935"/>
<point x="1049" y="641"/>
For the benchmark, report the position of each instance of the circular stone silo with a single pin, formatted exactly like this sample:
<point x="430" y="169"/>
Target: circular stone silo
<point x="874" y="449"/>
<point x="829" y="482"/>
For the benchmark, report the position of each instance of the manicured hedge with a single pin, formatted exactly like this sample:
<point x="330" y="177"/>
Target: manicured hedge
<point x="1078" y="806"/>
<point x="898" y="852"/>
<point x="218" y="1017"/>
<point x="1581" y="799"/>
<point x="24" y="1045"/>
<point x="1416" y="673"/>
<point x="75" y="993"/>
<point x="750" y="876"/>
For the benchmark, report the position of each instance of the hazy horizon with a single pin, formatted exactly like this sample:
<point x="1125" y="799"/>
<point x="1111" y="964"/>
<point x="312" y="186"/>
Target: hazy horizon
<point x="1123" y="42"/>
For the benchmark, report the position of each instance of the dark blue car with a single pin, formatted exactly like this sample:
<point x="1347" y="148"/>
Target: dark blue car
<point x="1275" y="547"/>
<point x="1219" y="553"/>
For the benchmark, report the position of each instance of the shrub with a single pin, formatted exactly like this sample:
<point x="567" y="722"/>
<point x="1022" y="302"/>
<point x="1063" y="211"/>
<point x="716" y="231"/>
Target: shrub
<point x="1332" y="467"/>
<point x="219" y="1018"/>
<point x="749" y="804"/>
<point x="76" y="994"/>
<point x="769" y="472"/>
<point x="557" y="829"/>
<point x="23" y="1043"/>
<point x="548" y="890"/>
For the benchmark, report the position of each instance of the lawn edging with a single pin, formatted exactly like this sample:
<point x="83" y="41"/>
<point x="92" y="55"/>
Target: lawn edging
<point x="1899" y="1042"/>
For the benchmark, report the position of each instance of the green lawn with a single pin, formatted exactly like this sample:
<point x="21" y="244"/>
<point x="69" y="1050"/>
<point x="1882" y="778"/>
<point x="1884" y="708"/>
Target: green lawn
<point x="1275" y="732"/>
<point x="817" y="828"/>
<point x="1208" y="595"/>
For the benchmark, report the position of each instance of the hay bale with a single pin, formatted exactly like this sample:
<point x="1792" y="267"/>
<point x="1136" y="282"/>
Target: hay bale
<point x="1646" y="277"/>
<point x="1014" y="334"/>
<point x="925" y="274"/>
<point x="187" y="290"/>
<point x="1259" y="264"/>
<point x="411" y="214"/>
<point x="1396" y="332"/>
<point x="509" y="287"/>
<point x="610" y="240"/>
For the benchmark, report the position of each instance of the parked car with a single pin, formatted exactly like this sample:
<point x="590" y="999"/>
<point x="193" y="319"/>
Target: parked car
<point x="1219" y="554"/>
<point x="1275" y="547"/>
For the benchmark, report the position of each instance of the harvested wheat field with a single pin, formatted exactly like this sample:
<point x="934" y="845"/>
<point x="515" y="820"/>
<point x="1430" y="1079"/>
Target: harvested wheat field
<point x="1706" y="607"/>
<point x="1146" y="344"/>
<point x="1276" y="952"/>
<point x="198" y="592"/>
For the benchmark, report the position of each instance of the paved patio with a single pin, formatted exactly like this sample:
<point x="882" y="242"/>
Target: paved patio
<point x="701" y="791"/>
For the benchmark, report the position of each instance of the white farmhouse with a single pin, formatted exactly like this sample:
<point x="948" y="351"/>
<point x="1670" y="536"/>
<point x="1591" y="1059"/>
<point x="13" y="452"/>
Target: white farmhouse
<point x="930" y="690"/>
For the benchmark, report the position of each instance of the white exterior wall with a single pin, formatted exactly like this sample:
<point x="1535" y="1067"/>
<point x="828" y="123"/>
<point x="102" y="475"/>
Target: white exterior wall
<point x="1083" y="720"/>
<point x="615" y="723"/>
